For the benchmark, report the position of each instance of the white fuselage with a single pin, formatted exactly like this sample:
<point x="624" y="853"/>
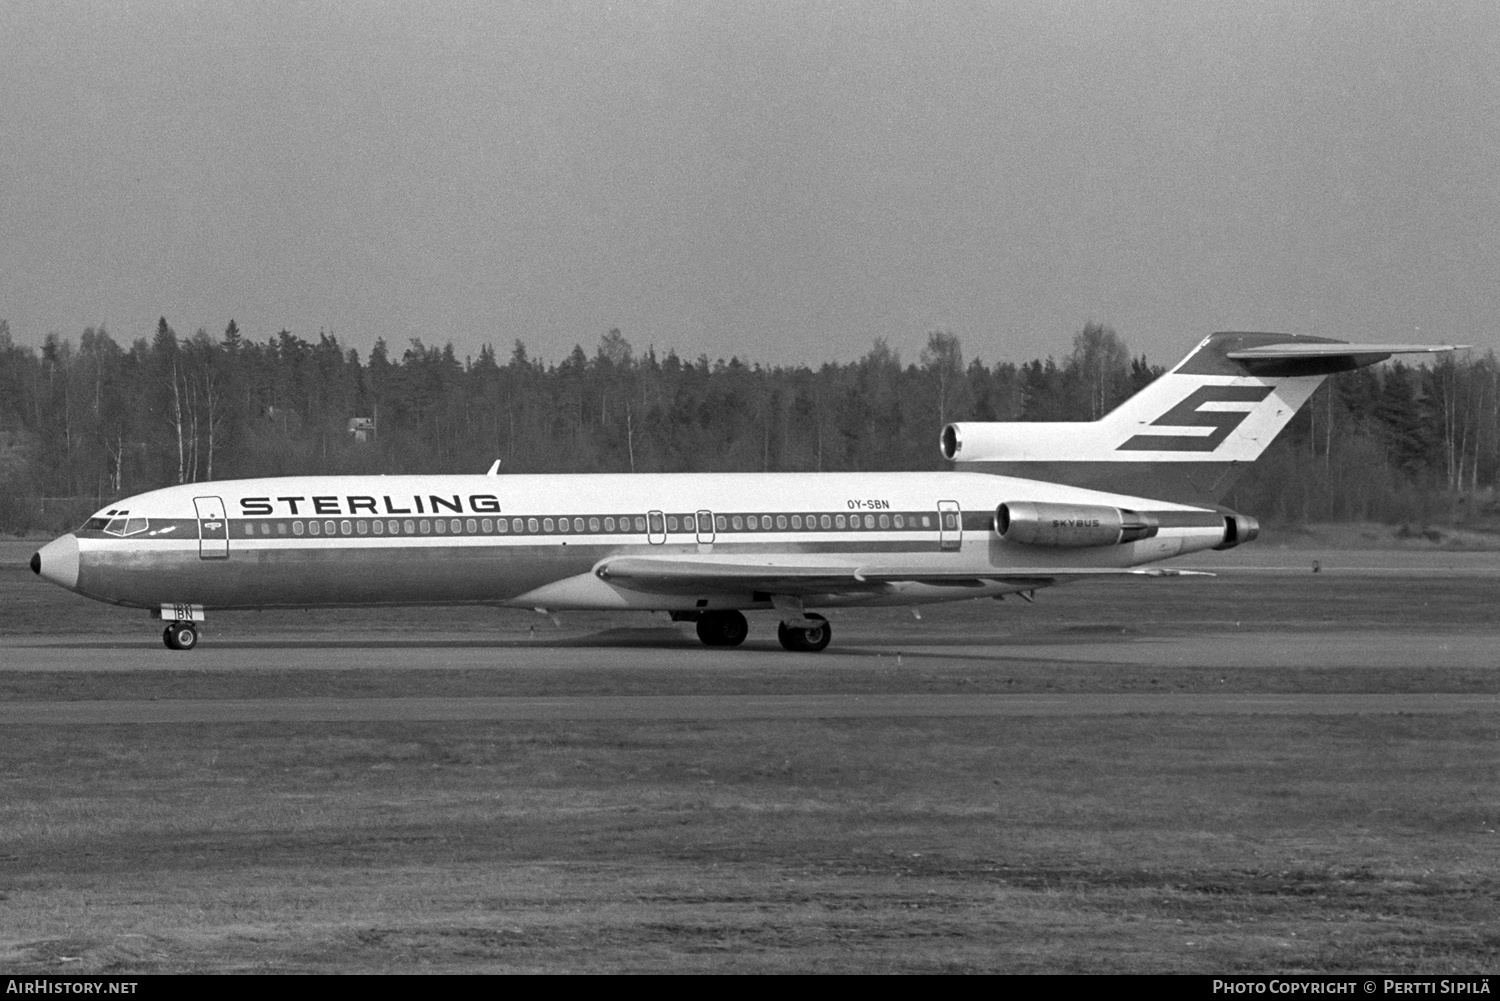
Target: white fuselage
<point x="536" y="541"/>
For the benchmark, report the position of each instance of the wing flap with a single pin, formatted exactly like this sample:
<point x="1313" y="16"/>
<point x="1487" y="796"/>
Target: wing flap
<point x="689" y="576"/>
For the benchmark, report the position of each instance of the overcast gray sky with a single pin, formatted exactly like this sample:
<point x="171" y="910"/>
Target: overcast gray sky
<point x="785" y="181"/>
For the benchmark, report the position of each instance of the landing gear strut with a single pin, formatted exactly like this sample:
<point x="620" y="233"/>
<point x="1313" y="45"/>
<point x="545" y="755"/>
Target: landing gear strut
<point x="180" y="636"/>
<point x="722" y="628"/>
<point x="809" y="639"/>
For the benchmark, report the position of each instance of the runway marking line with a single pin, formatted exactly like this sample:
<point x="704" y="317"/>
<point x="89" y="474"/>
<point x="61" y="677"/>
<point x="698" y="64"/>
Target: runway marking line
<point x="724" y="707"/>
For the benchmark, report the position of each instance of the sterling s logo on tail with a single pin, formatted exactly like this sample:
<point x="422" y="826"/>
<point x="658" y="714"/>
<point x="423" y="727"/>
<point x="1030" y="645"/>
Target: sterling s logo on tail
<point x="1186" y="436"/>
<point x="1190" y="414"/>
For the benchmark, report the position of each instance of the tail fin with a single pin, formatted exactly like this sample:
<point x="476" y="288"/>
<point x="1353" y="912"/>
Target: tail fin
<point x="1186" y="436"/>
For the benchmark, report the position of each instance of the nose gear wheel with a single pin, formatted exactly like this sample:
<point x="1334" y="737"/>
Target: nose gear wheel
<point x="180" y="636"/>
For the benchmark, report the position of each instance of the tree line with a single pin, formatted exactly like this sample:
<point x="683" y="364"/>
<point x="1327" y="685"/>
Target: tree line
<point x="87" y="421"/>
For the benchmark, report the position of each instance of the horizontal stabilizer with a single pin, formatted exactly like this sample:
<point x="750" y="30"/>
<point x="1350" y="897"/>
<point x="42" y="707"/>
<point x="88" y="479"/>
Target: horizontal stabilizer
<point x="1305" y="358"/>
<point x="1336" y="350"/>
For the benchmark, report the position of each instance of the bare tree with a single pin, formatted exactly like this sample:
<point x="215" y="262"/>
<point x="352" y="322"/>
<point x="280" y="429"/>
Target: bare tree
<point x="944" y="358"/>
<point x="1101" y="364"/>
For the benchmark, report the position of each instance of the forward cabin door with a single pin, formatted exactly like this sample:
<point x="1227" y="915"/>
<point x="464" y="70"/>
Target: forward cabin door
<point x="950" y="525"/>
<point x="706" y="527"/>
<point x="213" y="529"/>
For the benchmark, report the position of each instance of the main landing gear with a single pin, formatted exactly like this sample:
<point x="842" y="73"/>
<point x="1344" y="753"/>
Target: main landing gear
<point x="722" y="628"/>
<point x="805" y="639"/>
<point x="180" y="636"/>
<point x="729" y="628"/>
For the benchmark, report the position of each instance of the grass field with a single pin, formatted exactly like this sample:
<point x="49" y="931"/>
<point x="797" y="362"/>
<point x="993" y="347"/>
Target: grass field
<point x="1147" y="843"/>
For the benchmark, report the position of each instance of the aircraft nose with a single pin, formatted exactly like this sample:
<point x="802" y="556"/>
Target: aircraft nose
<point x="57" y="561"/>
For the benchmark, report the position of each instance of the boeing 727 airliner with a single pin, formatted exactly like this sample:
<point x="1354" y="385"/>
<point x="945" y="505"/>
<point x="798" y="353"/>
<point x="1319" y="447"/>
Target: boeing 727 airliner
<point x="1039" y="504"/>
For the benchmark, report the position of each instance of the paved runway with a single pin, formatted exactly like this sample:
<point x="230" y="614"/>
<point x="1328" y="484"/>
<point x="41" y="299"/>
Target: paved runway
<point x="629" y="649"/>
<point x="723" y="707"/>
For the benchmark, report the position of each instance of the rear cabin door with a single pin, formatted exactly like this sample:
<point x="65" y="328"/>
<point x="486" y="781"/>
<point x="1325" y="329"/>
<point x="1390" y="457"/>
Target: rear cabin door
<point x="950" y="525"/>
<point x="656" y="527"/>
<point x="706" y="527"/>
<point x="213" y="528"/>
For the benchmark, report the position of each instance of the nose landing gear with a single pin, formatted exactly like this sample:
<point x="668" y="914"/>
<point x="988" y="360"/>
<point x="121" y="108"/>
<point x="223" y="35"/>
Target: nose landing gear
<point x="180" y="636"/>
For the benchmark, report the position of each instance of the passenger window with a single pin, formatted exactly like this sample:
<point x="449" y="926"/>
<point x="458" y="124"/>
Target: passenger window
<point x="926" y="521"/>
<point x="363" y="527"/>
<point x="737" y="522"/>
<point x="249" y="528"/>
<point x="411" y="527"/>
<point x="609" y="524"/>
<point x="296" y="528"/>
<point x="532" y="525"/>
<point x="885" y="521"/>
<point x="281" y="528"/>
<point x="313" y="528"/>
<point x="593" y="524"/>
<point x="640" y="523"/>
<point x="827" y="522"/>
<point x="656" y="522"/>
<point x="900" y="521"/>
<point x="671" y="523"/>
<point x="752" y="522"/>
<point x="424" y="526"/>
<point x="796" y="521"/>
<point x="379" y="527"/>
<point x="869" y="521"/>
<point x="721" y="523"/>
<point x="345" y="527"/>
<point x="780" y="522"/>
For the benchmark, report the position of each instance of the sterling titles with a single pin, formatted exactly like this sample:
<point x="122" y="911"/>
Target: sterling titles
<point x="355" y="504"/>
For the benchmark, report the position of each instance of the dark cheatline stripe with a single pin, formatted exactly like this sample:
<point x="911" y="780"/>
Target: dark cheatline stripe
<point x="734" y="525"/>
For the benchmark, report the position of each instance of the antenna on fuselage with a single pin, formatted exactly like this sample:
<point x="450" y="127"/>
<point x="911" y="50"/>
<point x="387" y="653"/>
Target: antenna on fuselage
<point x="495" y="469"/>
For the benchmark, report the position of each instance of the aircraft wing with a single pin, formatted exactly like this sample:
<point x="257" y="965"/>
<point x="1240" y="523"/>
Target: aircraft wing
<point x="664" y="575"/>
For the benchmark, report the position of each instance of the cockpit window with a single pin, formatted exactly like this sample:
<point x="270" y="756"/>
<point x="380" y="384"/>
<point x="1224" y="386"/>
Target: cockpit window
<point x="95" y="525"/>
<point x="123" y="526"/>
